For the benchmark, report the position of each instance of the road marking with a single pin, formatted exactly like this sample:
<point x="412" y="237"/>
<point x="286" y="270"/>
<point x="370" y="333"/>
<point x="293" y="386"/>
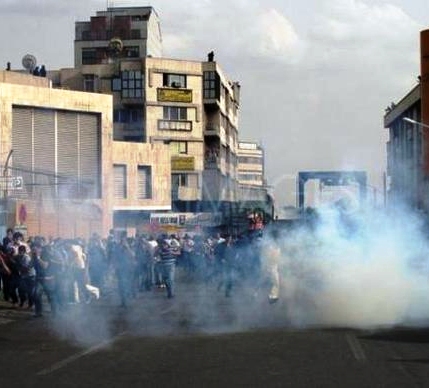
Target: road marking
<point x="356" y="347"/>
<point x="166" y="311"/>
<point x="4" y="321"/>
<point x="74" y="357"/>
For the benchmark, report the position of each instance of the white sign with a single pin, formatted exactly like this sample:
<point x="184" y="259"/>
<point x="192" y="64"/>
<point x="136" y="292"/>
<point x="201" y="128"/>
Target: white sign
<point x="11" y="183"/>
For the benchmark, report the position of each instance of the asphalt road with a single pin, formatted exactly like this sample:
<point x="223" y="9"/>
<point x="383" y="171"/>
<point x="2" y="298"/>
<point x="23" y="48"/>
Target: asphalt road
<point x="201" y="339"/>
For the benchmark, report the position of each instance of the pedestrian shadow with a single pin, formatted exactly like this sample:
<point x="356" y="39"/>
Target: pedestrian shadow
<point x="410" y="335"/>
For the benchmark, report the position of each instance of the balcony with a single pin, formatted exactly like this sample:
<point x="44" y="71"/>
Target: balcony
<point x="211" y="162"/>
<point x="189" y="193"/>
<point x="215" y="130"/>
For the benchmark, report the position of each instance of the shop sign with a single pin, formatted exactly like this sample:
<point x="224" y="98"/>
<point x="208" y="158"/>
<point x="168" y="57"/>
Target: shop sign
<point x="182" y="163"/>
<point x="175" y="95"/>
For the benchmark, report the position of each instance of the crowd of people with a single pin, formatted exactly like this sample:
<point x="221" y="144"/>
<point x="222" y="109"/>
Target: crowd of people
<point x="67" y="271"/>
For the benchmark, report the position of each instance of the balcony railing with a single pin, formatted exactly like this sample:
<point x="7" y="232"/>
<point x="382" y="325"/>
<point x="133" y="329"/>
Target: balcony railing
<point x="189" y="193"/>
<point x="173" y="125"/>
<point x="183" y="193"/>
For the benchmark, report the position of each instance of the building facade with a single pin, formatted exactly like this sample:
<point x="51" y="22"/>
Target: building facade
<point x="404" y="151"/>
<point x="251" y="163"/>
<point x="408" y="145"/>
<point x="75" y="179"/>
<point x="169" y="143"/>
<point x="118" y="32"/>
<point x="189" y="106"/>
<point x="221" y="99"/>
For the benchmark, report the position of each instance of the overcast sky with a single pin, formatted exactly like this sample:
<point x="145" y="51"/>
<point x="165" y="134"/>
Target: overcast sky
<point x="316" y="75"/>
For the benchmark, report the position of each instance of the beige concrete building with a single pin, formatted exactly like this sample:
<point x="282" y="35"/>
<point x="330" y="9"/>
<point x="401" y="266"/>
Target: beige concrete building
<point x="63" y="174"/>
<point x="188" y="105"/>
<point x="252" y="188"/>
<point x="251" y="164"/>
<point x="221" y="110"/>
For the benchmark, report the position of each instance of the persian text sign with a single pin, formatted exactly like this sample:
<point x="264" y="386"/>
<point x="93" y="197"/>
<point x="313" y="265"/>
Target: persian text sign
<point x="175" y="95"/>
<point x="182" y="163"/>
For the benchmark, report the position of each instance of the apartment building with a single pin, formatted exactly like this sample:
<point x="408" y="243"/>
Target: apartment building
<point x="118" y="32"/>
<point x="221" y="100"/>
<point x="251" y="164"/>
<point x="189" y="106"/>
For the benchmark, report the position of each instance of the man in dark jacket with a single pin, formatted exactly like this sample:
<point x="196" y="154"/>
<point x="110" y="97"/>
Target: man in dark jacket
<point x="168" y="255"/>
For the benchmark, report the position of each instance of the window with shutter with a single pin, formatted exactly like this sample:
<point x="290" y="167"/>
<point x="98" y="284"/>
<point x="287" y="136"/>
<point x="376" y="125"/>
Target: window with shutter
<point x="144" y="177"/>
<point x="120" y="181"/>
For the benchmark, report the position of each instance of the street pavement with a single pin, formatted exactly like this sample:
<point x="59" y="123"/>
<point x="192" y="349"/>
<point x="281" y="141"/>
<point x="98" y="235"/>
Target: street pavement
<point x="201" y="339"/>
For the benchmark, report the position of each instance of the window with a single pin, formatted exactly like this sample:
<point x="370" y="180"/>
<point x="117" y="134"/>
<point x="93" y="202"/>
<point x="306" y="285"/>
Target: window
<point x="120" y="181"/>
<point x="132" y="116"/>
<point x="185" y="180"/>
<point x="116" y="84"/>
<point x="132" y="84"/>
<point x="89" y="82"/>
<point x="133" y="138"/>
<point x="135" y="34"/>
<point x="133" y="52"/>
<point x="175" y="113"/>
<point x="144" y="181"/>
<point x="174" y="80"/>
<point x="249" y="160"/>
<point x="89" y="56"/>
<point x="86" y="35"/>
<point x="211" y="84"/>
<point x="178" y="147"/>
<point x="250" y="177"/>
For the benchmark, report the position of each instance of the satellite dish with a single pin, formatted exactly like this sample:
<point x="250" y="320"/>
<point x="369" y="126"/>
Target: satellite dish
<point x="116" y="46"/>
<point x="29" y="62"/>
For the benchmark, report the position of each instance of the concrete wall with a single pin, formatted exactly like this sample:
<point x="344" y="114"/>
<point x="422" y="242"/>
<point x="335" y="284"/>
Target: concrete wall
<point x="59" y="217"/>
<point x="133" y="155"/>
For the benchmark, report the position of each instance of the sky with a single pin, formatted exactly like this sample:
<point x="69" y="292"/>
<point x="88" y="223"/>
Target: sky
<point x="315" y="75"/>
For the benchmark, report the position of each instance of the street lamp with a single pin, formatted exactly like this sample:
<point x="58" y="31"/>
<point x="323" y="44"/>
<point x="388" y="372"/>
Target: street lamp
<point x="407" y="119"/>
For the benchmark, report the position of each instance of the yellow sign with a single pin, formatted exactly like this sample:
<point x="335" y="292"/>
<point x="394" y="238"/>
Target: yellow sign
<point x="182" y="163"/>
<point x="175" y="95"/>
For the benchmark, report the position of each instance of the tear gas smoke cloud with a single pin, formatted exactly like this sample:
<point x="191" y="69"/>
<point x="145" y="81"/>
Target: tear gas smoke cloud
<point x="372" y="272"/>
<point x="353" y="269"/>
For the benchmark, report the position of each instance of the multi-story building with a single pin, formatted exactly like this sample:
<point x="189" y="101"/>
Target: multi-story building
<point x="73" y="178"/>
<point x="404" y="150"/>
<point x="129" y="32"/>
<point x="191" y="106"/>
<point x="221" y="99"/>
<point x="251" y="164"/>
<point x="408" y="145"/>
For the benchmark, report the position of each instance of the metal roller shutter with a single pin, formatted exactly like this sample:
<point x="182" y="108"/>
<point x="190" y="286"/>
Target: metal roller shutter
<point x="22" y="144"/>
<point x="89" y="155"/>
<point x="44" y="151"/>
<point x="67" y="153"/>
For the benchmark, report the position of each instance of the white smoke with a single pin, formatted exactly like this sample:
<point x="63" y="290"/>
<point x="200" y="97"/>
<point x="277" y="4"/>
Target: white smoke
<point x="368" y="270"/>
<point x="342" y="269"/>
